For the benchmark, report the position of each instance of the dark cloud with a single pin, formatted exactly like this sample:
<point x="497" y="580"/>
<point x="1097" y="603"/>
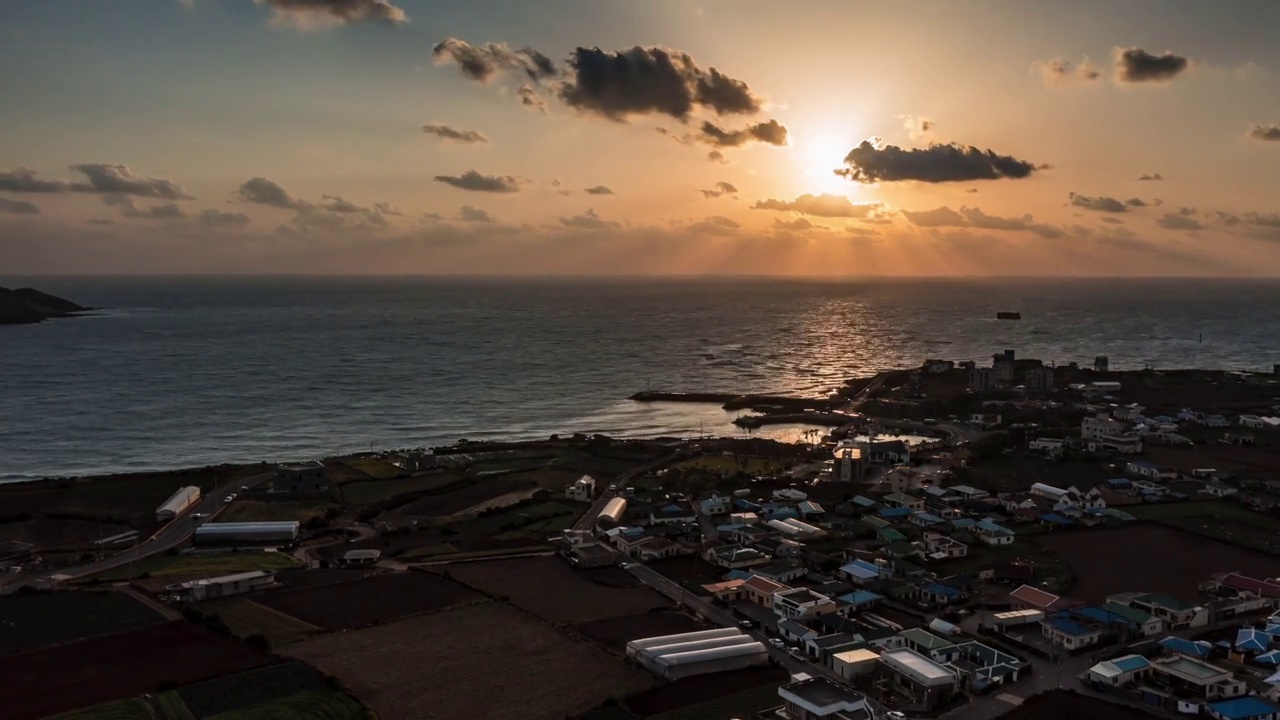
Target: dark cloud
<point x="832" y="206"/>
<point x="716" y="225"/>
<point x="1135" y="65"/>
<point x="1184" y="219"/>
<point x="721" y="188"/>
<point x="164" y="211"/>
<point x="475" y="182"/>
<point x="216" y="219"/>
<point x="100" y="221"/>
<point x="1061" y="71"/>
<point x="102" y="179"/>
<point x="598" y="190"/>
<point x="799" y="223"/>
<point x="1269" y="133"/>
<point x="588" y="221"/>
<point x="24" y="180"/>
<point x="972" y="190"/>
<point x="445" y="132"/>
<point x="716" y="156"/>
<point x="473" y="214"/>
<point x="935" y="164"/>
<point x="771" y="132"/>
<point x="975" y="218"/>
<point x="1152" y="177"/>
<point x="1111" y="220"/>
<point x="18" y="207"/>
<point x="304" y="13"/>
<point x="861" y="231"/>
<point x="334" y="203"/>
<point x="1099" y="203"/>
<point x="386" y="209"/>
<point x="643" y="81"/>
<point x="262" y="191"/>
<point x="1135" y="202"/>
<point x="531" y="98"/>
<point x="482" y="62"/>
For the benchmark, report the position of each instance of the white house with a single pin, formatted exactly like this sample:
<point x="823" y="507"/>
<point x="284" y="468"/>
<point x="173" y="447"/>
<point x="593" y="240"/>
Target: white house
<point x="716" y="505"/>
<point x="1077" y="500"/>
<point x="801" y="603"/>
<point x="1051" y="447"/>
<point x="1217" y="489"/>
<point x="584" y="488"/>
<point x="790" y="494"/>
<point x="939" y="544"/>
<point x="1259" y="422"/>
<point x="1101" y="432"/>
<point x="1149" y="470"/>
<point x="993" y="534"/>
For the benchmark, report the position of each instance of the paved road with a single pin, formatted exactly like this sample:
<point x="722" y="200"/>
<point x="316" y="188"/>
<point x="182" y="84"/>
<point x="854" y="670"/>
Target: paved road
<point x="170" y="536"/>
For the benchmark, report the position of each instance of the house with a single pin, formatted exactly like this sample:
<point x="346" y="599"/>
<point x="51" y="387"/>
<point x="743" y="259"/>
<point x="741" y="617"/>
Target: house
<point x="895" y="513"/>
<point x="782" y="572"/>
<point x="861" y="572"/>
<point x="760" y="590"/>
<point x="1244" y="708"/>
<point x="822" y="647"/>
<point x="735" y="556"/>
<point x="414" y="460"/>
<point x="981" y="665"/>
<point x="986" y="421"/>
<point x="306" y="478"/>
<point x="796" y="632"/>
<point x="1196" y="680"/>
<point x="1039" y="380"/>
<point x="592" y="555"/>
<point x="857" y="601"/>
<point x="923" y="681"/>
<point x="1149" y="470"/>
<point x="716" y="505"/>
<point x="946" y="546"/>
<point x="655" y="548"/>
<point x="811" y="511"/>
<point x="941" y="594"/>
<point x="1244" y="585"/>
<point x="1069" y="632"/>
<point x="1021" y="506"/>
<point x="673" y="513"/>
<point x="855" y="663"/>
<point x="848" y="464"/>
<point x="902" y="500"/>
<point x="727" y="590"/>
<point x="779" y="547"/>
<point x="924" y="519"/>
<point x="791" y="494"/>
<point x="751" y="534"/>
<point x="1118" y="484"/>
<point x="926" y="643"/>
<point x="582" y="489"/>
<point x="1075" y="499"/>
<point x="1049" y="447"/>
<point x="1146" y="624"/>
<point x="992" y="534"/>
<point x="967" y="492"/>
<point x="1031" y="598"/>
<point x="817" y="698"/>
<point x="1177" y="614"/>
<point x="796" y="603"/>
<point x="1121" y="671"/>
<point x="1218" y="489"/>
<point x="1149" y="488"/>
<point x="1104" y="434"/>
<point x="1259" y="422"/>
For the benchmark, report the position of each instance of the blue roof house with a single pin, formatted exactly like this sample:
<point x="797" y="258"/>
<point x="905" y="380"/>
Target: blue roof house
<point x="860" y="571"/>
<point x="1254" y="641"/>
<point x="1244" y="708"/>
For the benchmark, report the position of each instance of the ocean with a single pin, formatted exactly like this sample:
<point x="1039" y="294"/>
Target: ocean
<point x="179" y="372"/>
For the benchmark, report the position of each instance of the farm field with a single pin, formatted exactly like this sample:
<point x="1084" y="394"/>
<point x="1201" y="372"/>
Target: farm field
<point x="273" y="510"/>
<point x="127" y="498"/>
<point x="134" y="709"/>
<point x="614" y="633"/>
<point x="322" y="704"/>
<point x="56" y="533"/>
<point x="251" y="687"/>
<point x="1221" y="520"/>
<point x="719" y="695"/>
<point x="34" y="621"/>
<point x="732" y="465"/>
<point x="368" y="492"/>
<point x="1149" y="557"/>
<point x="173" y="568"/>
<point x="550" y="589"/>
<point x="463" y="497"/>
<point x="550" y="674"/>
<point x="374" y="600"/>
<point x="246" y="617"/>
<point x="374" y="468"/>
<point x="45" y="682"/>
<point x="1068" y="705"/>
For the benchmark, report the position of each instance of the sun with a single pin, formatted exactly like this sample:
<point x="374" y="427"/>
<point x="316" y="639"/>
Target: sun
<point x="819" y="156"/>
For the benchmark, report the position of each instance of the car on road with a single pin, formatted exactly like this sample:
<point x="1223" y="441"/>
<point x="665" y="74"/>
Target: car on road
<point x="795" y="653"/>
<point x="747" y="624"/>
<point x="777" y="642"/>
<point x="229" y="498"/>
<point x="197" y="516"/>
<point x="895" y="715"/>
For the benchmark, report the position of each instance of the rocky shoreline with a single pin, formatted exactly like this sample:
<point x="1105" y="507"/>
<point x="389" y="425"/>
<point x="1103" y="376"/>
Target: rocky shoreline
<point x="26" y="306"/>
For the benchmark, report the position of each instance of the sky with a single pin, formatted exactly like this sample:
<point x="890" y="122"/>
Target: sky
<point x="666" y="137"/>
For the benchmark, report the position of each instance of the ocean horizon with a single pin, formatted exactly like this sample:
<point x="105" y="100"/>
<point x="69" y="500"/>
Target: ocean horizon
<point x="180" y="371"/>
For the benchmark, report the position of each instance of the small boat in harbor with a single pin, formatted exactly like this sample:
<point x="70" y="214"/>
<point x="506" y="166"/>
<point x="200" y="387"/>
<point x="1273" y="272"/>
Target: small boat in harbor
<point x="1008" y="315"/>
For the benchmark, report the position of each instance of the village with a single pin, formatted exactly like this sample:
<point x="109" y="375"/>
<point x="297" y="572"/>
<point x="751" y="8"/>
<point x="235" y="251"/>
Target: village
<point x="963" y="542"/>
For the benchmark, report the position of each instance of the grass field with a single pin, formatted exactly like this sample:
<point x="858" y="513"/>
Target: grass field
<point x="255" y="511"/>
<point x="369" y="601"/>
<point x="743" y="704"/>
<point x="246" y="617"/>
<point x="1205" y="508"/>
<point x="374" y="468"/>
<point x="172" y="708"/>
<point x="539" y="673"/>
<point x="28" y="622"/>
<point x="726" y="465"/>
<point x="235" y="693"/>
<point x="368" y="492"/>
<point x="1218" y="520"/>
<point x="322" y="704"/>
<point x="195" y="565"/>
<point x="135" y="709"/>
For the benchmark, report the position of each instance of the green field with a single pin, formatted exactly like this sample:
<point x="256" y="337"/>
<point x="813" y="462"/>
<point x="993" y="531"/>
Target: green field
<point x="135" y="709"/>
<point x="323" y="704"/>
<point x="368" y="492"/>
<point x="200" y="565"/>
<point x="246" y="617"/>
<point x="255" y="511"/>
<point x="725" y="465"/>
<point x="743" y="704"/>
<point x="374" y="468"/>
<point x="1203" y="508"/>
<point x="172" y="707"/>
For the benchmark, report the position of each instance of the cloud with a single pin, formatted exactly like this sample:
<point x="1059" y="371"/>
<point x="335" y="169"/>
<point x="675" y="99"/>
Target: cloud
<point x="1269" y="133"/>
<point x="1136" y="202"/>
<point x="1152" y="177"/>
<point x="1099" y="203"/>
<point x="473" y="181"/>
<point x="444" y="132"/>
<point x="588" y="221"/>
<point x="721" y="188"/>
<point x="598" y="190"/>
<point x="831" y="206"/>
<point x="1061" y="71"/>
<point x="483" y="62"/>
<point x="117" y="179"/>
<point x="1111" y="220"/>
<point x="24" y="180"/>
<point x="917" y="127"/>
<point x="311" y="14"/>
<point x="935" y="164"/>
<point x="386" y="209"/>
<point x="799" y="223"/>
<point x="715" y="225"/>
<point x="473" y="214"/>
<point x="975" y="218"/>
<point x="861" y="231"/>
<point x="644" y="81"/>
<point x="335" y="203"/>
<point x="18" y="207"/>
<point x="1135" y="65"/>
<point x="217" y="219"/>
<point x="716" y="156"/>
<point x="1182" y="220"/>
<point x="261" y="191"/>
<point x="771" y="132"/>
<point x="164" y="211"/>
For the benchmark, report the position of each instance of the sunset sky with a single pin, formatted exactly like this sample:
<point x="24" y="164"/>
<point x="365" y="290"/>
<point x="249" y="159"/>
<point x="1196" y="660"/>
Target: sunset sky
<point x="685" y="137"/>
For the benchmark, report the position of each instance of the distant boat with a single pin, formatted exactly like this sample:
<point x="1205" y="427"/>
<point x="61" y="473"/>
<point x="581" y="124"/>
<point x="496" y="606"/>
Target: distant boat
<point x="1008" y="315"/>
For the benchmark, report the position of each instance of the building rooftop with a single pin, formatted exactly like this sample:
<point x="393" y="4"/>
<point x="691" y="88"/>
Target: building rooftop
<point x="1070" y="627"/>
<point x="1165" y="601"/>
<point x="1191" y="668"/>
<point x="822" y="695"/>
<point x="1244" y="707"/>
<point x="801" y="596"/>
<point x="925" y="639"/>
<point x="919" y="666"/>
